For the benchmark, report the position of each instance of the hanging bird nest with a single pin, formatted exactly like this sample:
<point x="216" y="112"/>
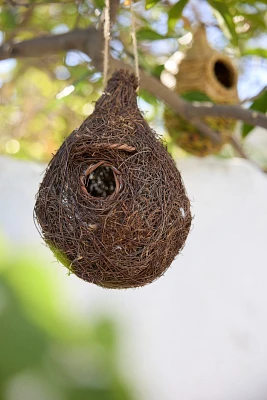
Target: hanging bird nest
<point x="203" y="70"/>
<point x="112" y="205"/>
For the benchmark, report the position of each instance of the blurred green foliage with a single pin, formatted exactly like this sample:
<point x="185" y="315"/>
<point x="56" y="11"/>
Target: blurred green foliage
<point x="45" y="353"/>
<point x="175" y="13"/>
<point x="259" y="104"/>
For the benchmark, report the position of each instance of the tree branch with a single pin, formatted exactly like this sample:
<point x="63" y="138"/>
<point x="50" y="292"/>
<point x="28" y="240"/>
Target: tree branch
<point x="215" y="137"/>
<point x="14" y="3"/>
<point x="90" y="41"/>
<point x="114" y="5"/>
<point x="86" y="40"/>
<point x="238" y="148"/>
<point x="235" y="112"/>
<point x="196" y="110"/>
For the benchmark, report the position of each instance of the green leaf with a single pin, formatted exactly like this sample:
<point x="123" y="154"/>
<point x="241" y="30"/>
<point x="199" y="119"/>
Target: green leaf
<point x="255" y="52"/>
<point x="100" y="4"/>
<point x="7" y="20"/>
<point x="222" y="10"/>
<point x="175" y="13"/>
<point x="257" y="19"/>
<point x="149" y="34"/>
<point x="196" y="96"/>
<point x="260" y="104"/>
<point x="151" y="3"/>
<point x="148" y="97"/>
<point x="158" y="70"/>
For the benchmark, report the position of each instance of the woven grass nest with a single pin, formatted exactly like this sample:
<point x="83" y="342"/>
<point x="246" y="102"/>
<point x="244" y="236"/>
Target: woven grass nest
<point x="112" y="205"/>
<point x="205" y="70"/>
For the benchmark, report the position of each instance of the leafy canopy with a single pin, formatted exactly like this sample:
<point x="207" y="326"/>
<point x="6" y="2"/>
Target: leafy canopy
<point x="45" y="99"/>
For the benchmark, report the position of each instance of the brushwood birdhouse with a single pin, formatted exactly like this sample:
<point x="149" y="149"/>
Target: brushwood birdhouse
<point x="112" y="205"/>
<point x="205" y="70"/>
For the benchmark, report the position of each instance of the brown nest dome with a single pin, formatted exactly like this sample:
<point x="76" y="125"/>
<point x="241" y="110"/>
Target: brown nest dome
<point x="112" y="205"/>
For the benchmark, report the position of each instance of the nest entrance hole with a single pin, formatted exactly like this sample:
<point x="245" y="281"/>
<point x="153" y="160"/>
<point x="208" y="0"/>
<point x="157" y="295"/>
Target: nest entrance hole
<point x="224" y="74"/>
<point x="101" y="182"/>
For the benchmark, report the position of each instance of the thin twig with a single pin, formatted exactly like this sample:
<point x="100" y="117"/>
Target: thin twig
<point x="25" y="18"/>
<point x="78" y="2"/>
<point x="77" y="20"/>
<point x="254" y="97"/>
<point x="215" y="137"/>
<point x="239" y="149"/>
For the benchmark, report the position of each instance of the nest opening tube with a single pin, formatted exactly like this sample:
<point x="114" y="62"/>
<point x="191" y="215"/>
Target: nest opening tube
<point x="224" y="74"/>
<point x="101" y="180"/>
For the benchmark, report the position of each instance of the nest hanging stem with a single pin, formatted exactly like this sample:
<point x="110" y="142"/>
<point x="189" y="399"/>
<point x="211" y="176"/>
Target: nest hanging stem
<point x="133" y="34"/>
<point x="107" y="39"/>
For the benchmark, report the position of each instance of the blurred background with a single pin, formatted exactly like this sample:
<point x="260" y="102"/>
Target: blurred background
<point x="199" y="332"/>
